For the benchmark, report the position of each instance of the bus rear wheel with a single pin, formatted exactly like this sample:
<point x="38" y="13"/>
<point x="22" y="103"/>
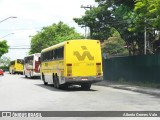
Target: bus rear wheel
<point x="25" y="75"/>
<point x="86" y="86"/>
<point x="56" y="83"/>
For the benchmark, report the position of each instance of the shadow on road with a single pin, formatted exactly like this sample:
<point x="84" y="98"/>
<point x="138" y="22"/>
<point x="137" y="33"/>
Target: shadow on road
<point x="69" y="89"/>
<point x="49" y="87"/>
<point x="35" y="78"/>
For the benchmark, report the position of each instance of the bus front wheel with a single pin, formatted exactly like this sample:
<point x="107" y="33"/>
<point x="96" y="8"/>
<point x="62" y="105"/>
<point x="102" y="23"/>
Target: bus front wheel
<point x="43" y="78"/>
<point x="13" y="72"/>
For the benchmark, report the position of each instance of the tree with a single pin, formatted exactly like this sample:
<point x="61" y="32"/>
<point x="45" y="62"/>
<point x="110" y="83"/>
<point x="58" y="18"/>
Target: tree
<point x="3" y="47"/>
<point x="108" y="15"/>
<point x="4" y="62"/>
<point x="114" y="46"/>
<point x="52" y="35"/>
<point x="148" y="10"/>
<point x="96" y="19"/>
<point x="148" y="16"/>
<point x="129" y="18"/>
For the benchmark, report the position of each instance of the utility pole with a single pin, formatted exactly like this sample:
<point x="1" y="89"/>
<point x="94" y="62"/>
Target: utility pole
<point x="87" y="7"/>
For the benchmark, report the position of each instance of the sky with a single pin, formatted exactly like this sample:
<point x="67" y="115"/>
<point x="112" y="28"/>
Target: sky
<point x="32" y="16"/>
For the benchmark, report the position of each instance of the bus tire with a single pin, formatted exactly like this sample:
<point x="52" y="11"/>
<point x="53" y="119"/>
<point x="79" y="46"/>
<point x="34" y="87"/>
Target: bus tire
<point x="43" y="78"/>
<point x="25" y="75"/>
<point x="64" y="86"/>
<point x="54" y="82"/>
<point x="30" y="75"/>
<point x="86" y="86"/>
<point x="57" y="85"/>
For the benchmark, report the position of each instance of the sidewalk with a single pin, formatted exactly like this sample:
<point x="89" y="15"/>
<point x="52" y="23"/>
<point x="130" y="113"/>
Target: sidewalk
<point x="146" y="90"/>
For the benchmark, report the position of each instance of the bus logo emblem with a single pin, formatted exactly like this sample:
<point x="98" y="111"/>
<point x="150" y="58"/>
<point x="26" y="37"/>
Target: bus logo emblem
<point x="85" y="54"/>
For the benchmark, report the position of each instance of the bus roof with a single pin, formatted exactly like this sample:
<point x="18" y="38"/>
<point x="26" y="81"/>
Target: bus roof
<point x="32" y="55"/>
<point x="60" y="45"/>
<point x="16" y="59"/>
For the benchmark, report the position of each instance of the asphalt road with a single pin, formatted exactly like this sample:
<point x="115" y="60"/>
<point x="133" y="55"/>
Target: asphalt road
<point x="18" y="93"/>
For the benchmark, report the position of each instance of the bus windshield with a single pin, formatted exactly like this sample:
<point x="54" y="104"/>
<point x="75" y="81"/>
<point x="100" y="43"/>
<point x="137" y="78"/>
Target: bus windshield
<point x="20" y="61"/>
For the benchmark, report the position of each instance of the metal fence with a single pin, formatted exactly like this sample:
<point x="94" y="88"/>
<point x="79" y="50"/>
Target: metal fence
<point x="144" y="68"/>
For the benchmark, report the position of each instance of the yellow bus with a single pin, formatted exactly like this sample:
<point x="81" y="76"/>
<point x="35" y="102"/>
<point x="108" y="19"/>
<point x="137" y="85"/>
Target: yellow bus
<point x="73" y="62"/>
<point x="16" y="66"/>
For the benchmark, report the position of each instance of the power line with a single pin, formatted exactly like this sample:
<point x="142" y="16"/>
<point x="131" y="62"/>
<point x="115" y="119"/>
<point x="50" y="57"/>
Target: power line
<point x="19" y="48"/>
<point x="7" y="35"/>
<point x="21" y="29"/>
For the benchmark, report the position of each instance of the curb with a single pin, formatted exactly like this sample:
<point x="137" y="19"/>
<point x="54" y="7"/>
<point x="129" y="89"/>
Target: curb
<point x="145" y="90"/>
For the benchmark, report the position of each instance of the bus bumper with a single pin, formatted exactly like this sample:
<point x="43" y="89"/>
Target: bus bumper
<point x="81" y="80"/>
<point x="18" y="72"/>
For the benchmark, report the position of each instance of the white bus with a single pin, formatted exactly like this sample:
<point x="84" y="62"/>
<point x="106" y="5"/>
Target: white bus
<point x="32" y="65"/>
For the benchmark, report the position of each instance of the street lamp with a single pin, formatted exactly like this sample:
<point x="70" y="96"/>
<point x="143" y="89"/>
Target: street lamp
<point x="8" y="18"/>
<point x="7" y="35"/>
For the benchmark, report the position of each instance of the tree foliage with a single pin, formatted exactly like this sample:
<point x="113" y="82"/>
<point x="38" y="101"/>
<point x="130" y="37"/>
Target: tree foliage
<point x="52" y="35"/>
<point x="148" y="10"/>
<point x="4" y="62"/>
<point x="128" y="17"/>
<point x="95" y="19"/>
<point x="3" y="47"/>
<point x="114" y="46"/>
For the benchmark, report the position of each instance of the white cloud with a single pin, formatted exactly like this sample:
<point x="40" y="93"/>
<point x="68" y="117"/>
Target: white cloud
<point x="32" y="15"/>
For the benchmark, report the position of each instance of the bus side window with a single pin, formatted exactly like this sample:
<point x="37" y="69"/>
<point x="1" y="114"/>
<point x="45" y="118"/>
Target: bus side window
<point x="56" y="54"/>
<point x="60" y="53"/>
<point x="53" y="53"/>
<point x="47" y="56"/>
<point x="43" y="57"/>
